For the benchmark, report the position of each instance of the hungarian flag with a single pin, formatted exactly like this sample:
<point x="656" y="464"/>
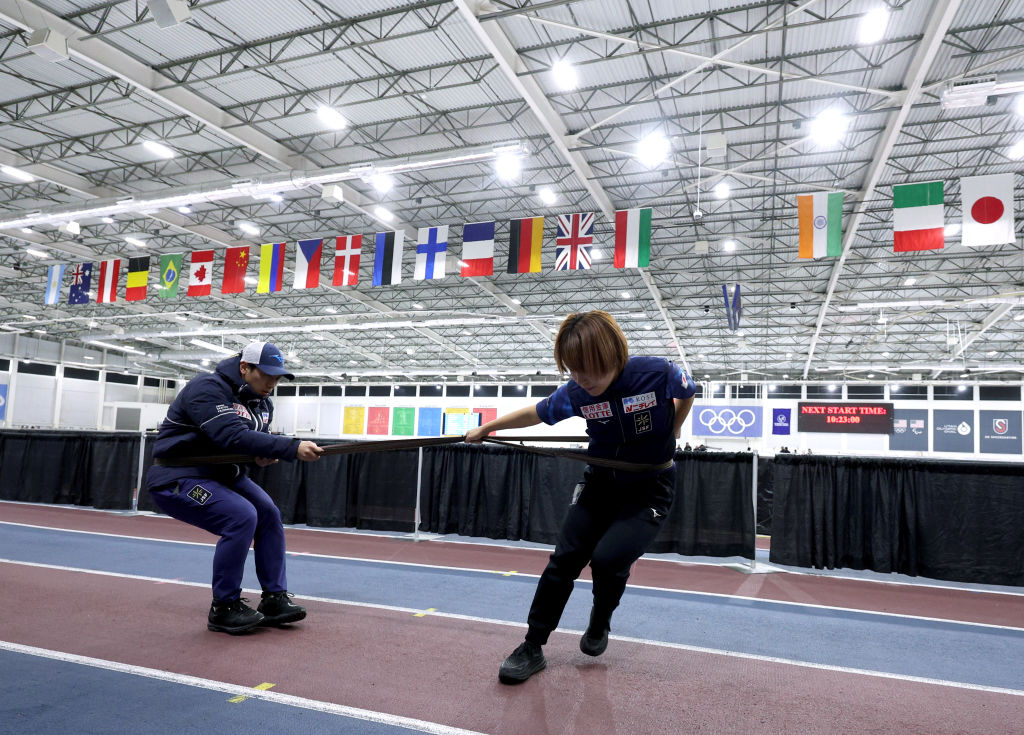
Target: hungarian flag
<point x="346" y="260"/>
<point x="236" y="263"/>
<point x="632" y="238"/>
<point x="524" y="244"/>
<point x="138" y="279"/>
<point x="917" y="216"/>
<point x="271" y="267"/>
<point x="987" y="209"/>
<point x="307" y="263"/>
<point x="200" y="274"/>
<point x="477" y="249"/>
<point x="387" y="258"/>
<point x="54" y="279"/>
<point x="170" y="275"/>
<point x="821" y="224"/>
<point x="431" y="249"/>
<point x="573" y="242"/>
<point x="81" y="280"/>
<point x="110" y="274"/>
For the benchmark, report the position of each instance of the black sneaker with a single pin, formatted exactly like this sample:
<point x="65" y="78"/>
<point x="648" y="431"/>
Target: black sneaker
<point x="278" y="609"/>
<point x="521" y="664"/>
<point x="595" y="639"/>
<point x="233" y="617"/>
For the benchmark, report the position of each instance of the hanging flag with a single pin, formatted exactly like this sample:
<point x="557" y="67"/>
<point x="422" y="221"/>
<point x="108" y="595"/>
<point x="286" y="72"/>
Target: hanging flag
<point x="573" y="242"/>
<point x="524" y="244"/>
<point x="431" y="252"/>
<point x="632" y="238"/>
<point x="200" y="275"/>
<point x="346" y="260"/>
<point x="307" y="263"/>
<point x="821" y="224"/>
<point x="735" y="311"/>
<point x="236" y="263"/>
<point x="987" y="209"/>
<point x="477" y="249"/>
<point x="110" y="274"/>
<point x="271" y="267"/>
<point x="54" y="279"/>
<point x="137" y="282"/>
<point x="917" y="216"/>
<point x="170" y="275"/>
<point x="81" y="280"/>
<point x="387" y="259"/>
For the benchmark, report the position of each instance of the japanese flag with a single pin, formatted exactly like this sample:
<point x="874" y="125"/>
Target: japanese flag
<point x="987" y="209"/>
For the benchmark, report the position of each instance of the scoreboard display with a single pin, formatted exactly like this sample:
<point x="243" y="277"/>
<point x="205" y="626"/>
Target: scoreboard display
<point x="844" y="418"/>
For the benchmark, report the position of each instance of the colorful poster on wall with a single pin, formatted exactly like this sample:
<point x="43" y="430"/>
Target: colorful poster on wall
<point x="457" y="421"/>
<point x="781" y="420"/>
<point x="354" y="421"/>
<point x="909" y="430"/>
<point x="953" y="431"/>
<point x="3" y="402"/>
<point x="1000" y="432"/>
<point x="403" y="421"/>
<point x="487" y="414"/>
<point x="726" y="421"/>
<point x="429" y="422"/>
<point x="377" y="420"/>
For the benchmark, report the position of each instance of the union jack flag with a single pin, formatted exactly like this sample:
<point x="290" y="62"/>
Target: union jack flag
<point x="574" y="240"/>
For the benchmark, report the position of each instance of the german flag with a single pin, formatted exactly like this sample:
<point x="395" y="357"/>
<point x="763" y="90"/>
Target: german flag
<point x="138" y="279"/>
<point x="525" y="238"/>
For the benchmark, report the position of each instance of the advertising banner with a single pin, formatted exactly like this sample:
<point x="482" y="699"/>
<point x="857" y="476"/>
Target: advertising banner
<point x="953" y="431"/>
<point x="727" y="421"/>
<point x="1000" y="432"/>
<point x="909" y="430"/>
<point x="781" y="420"/>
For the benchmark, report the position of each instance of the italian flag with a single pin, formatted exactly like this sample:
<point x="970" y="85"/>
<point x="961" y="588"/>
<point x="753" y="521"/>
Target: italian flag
<point x="632" y="238"/>
<point x="917" y="216"/>
<point x="821" y="224"/>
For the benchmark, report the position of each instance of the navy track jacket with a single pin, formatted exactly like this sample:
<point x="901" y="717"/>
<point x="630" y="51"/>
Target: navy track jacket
<point x="632" y="420"/>
<point x="217" y="413"/>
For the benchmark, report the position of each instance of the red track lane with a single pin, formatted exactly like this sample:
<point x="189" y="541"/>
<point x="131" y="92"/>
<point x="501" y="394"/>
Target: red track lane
<point x="442" y="670"/>
<point x="944" y="603"/>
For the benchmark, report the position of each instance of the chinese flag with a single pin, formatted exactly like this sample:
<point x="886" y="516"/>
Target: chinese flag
<point x="236" y="263"/>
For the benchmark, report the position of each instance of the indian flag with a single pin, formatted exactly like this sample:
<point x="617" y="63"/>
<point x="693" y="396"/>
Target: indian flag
<point x="632" y="238"/>
<point x="917" y="216"/>
<point x="821" y="224"/>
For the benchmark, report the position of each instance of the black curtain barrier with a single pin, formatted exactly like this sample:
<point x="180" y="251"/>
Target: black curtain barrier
<point x="765" y="493"/>
<point x="500" y="493"/>
<point x="68" y="467"/>
<point x="958" y="521"/>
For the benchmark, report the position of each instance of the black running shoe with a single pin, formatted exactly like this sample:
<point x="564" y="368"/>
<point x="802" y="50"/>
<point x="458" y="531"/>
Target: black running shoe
<point x="233" y="617"/>
<point x="595" y="639"/>
<point x="521" y="664"/>
<point x="278" y="609"/>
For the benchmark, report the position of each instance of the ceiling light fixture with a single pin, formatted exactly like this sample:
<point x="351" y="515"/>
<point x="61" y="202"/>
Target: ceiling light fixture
<point x="331" y="117"/>
<point x="547" y="195"/>
<point x="829" y="127"/>
<point x="564" y="74"/>
<point x="383" y="214"/>
<point x="507" y="166"/>
<point x="17" y="173"/>
<point x="135" y="241"/>
<point x="653" y="149"/>
<point x="247" y="227"/>
<point x="158" y="149"/>
<point x="382" y="182"/>
<point x="872" y="26"/>
<point x="722" y="190"/>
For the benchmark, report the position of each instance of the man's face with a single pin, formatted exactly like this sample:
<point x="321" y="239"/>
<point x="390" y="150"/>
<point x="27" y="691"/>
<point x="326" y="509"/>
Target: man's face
<point x="258" y="380"/>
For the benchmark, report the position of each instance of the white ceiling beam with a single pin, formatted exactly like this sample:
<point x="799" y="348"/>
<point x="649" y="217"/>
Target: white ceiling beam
<point x="998" y="313"/>
<point x="940" y="19"/>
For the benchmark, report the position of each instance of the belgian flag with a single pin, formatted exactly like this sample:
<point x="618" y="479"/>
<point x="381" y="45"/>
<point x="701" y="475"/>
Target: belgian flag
<point x="138" y="279"/>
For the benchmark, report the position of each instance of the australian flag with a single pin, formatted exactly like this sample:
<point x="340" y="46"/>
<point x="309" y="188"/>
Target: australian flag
<point x="81" y="279"/>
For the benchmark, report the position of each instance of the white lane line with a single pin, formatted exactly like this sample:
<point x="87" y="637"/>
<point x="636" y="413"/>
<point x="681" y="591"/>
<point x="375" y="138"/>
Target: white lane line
<point x="242" y="691"/>
<point x="670" y="590"/>
<point x="576" y="633"/>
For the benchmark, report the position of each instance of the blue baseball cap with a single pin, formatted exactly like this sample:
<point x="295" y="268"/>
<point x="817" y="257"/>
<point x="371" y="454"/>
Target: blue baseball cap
<point x="267" y="358"/>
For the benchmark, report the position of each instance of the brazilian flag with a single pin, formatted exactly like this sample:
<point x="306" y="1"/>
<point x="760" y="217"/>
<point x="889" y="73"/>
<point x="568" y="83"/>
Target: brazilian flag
<point x="170" y="275"/>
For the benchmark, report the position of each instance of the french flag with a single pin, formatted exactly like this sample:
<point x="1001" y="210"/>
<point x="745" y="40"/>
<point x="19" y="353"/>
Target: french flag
<point x="477" y="249"/>
<point x="307" y="263"/>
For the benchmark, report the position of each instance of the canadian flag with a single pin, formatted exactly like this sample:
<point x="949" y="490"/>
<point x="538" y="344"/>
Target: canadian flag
<point x="987" y="209"/>
<point x="200" y="274"/>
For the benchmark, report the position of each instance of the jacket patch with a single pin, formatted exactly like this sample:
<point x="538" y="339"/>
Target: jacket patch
<point x="200" y="494"/>
<point x="639" y="403"/>
<point x="242" y="411"/>
<point x="643" y="422"/>
<point x="266" y="416"/>
<point x="601" y="410"/>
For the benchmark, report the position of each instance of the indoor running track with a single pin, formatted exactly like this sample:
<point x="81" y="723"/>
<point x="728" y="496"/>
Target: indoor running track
<point x="104" y="631"/>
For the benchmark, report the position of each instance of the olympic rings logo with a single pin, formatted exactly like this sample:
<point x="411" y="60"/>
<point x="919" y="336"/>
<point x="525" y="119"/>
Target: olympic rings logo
<point x="735" y="422"/>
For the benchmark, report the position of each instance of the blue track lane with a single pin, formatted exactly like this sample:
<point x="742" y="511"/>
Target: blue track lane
<point x="43" y="696"/>
<point x="957" y="652"/>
